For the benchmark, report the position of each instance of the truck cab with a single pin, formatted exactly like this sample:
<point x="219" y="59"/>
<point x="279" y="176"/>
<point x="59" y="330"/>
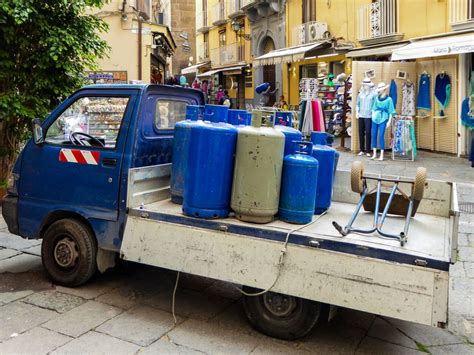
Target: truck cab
<point x="72" y="177"/>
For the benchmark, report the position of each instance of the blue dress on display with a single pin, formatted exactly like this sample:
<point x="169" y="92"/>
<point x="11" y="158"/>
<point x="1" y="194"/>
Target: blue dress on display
<point x="424" y="97"/>
<point x="442" y="91"/>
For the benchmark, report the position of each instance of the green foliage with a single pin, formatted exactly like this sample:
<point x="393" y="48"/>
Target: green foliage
<point x="45" y="47"/>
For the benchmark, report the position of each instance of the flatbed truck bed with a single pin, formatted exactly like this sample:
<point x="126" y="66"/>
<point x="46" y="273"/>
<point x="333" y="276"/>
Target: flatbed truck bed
<point x="363" y="272"/>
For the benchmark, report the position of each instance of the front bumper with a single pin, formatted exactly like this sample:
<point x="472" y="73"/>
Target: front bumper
<point x="10" y="213"/>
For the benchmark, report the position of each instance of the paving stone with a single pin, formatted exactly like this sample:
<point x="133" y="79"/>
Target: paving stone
<point x="455" y="349"/>
<point x="8" y="253"/>
<point x="465" y="240"/>
<point x="206" y="337"/>
<point x="375" y="346"/>
<point x="35" y="250"/>
<point x="82" y="319"/>
<point x="463" y="285"/>
<point x="20" y="263"/>
<point x="274" y="346"/>
<point x="385" y="331"/>
<point x="16" y="242"/>
<point x="333" y="338"/>
<point x="466" y="227"/>
<point x="457" y="270"/>
<point x="466" y="254"/>
<point x="190" y="303"/>
<point x="165" y="346"/>
<point x="426" y="335"/>
<point x="18" y="317"/>
<point x="55" y="301"/>
<point x="96" y="287"/>
<point x="131" y="294"/>
<point x="35" y="341"/>
<point x="97" y="343"/>
<point x="141" y="325"/>
<point x="7" y="297"/>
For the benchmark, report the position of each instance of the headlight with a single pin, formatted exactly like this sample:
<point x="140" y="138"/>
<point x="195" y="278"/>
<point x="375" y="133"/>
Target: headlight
<point x="12" y="186"/>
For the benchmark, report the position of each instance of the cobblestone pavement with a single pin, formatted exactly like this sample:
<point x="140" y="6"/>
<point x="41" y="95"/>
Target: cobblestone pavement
<point x="128" y="310"/>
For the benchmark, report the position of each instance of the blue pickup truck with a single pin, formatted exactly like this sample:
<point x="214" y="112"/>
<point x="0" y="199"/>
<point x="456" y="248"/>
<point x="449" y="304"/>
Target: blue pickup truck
<point x="93" y="183"/>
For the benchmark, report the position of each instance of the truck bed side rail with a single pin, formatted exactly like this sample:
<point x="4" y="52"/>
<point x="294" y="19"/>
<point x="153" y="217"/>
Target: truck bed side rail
<point x="148" y="184"/>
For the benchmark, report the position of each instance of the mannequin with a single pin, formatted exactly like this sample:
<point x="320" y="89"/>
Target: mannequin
<point x="365" y="102"/>
<point x="382" y="113"/>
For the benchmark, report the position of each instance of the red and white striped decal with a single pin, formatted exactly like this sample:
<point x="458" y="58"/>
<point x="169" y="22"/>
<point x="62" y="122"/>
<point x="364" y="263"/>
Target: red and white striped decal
<point x="79" y="156"/>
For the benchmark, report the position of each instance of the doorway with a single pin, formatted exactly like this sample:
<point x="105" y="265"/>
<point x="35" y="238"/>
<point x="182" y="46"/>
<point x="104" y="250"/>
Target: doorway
<point x="269" y="70"/>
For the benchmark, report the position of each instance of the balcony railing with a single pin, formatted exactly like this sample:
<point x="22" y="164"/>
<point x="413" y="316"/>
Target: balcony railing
<point x="379" y="22"/>
<point x="225" y="55"/>
<point x="202" y="52"/>
<point x="461" y="14"/>
<point x="310" y="32"/>
<point x="202" y="23"/>
<point x="219" y="13"/>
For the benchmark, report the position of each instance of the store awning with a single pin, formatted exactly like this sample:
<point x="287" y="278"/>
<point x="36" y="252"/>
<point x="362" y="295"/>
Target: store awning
<point x="233" y="70"/>
<point x="374" y="51"/>
<point x="192" y="69"/>
<point x="435" y="47"/>
<point x="290" y="54"/>
<point x="208" y="74"/>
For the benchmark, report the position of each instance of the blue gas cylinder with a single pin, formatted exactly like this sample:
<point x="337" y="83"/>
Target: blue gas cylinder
<point x="215" y="113"/>
<point x="238" y="118"/>
<point x="325" y="138"/>
<point x="290" y="133"/>
<point x="326" y="157"/>
<point x="182" y="132"/>
<point x="284" y="118"/>
<point x="262" y="87"/>
<point x="208" y="180"/>
<point x="298" y="185"/>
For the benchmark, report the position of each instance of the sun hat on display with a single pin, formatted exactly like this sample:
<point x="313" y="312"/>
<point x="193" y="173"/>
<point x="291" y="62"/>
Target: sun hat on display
<point x="367" y="81"/>
<point x="381" y="86"/>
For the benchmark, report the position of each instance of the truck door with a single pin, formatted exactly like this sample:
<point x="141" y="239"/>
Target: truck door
<point x="77" y="168"/>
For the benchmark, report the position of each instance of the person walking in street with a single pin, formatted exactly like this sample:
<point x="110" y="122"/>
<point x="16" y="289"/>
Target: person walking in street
<point x="219" y="95"/>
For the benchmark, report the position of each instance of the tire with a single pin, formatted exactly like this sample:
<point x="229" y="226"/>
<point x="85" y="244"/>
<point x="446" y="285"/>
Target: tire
<point x="296" y="320"/>
<point x="69" y="252"/>
<point x="357" y="172"/>
<point x="419" y="185"/>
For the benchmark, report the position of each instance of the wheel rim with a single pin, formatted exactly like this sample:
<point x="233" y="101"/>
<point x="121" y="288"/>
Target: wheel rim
<point x="66" y="252"/>
<point x="279" y="305"/>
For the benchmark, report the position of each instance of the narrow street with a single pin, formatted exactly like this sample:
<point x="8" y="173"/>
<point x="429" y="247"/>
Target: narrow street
<point x="128" y="310"/>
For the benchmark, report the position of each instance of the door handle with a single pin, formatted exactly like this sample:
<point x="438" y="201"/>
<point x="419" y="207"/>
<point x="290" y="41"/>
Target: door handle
<point x="109" y="162"/>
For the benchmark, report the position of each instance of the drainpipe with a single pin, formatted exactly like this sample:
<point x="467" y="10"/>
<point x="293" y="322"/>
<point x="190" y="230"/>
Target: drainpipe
<point x="139" y="47"/>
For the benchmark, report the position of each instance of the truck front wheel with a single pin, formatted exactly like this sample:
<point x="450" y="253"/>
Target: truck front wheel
<point x="69" y="252"/>
<point x="281" y="316"/>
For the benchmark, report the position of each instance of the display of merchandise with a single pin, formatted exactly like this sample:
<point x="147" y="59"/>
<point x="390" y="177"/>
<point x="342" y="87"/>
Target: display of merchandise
<point x="442" y="91"/>
<point x="309" y="88"/>
<point x="104" y="118"/>
<point x="424" y="97"/>
<point x="408" y="99"/>
<point x="393" y="93"/>
<point x="467" y="112"/>
<point x="403" y="138"/>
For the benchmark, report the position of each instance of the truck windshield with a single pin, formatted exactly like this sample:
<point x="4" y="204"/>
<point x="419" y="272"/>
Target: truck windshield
<point x="89" y="121"/>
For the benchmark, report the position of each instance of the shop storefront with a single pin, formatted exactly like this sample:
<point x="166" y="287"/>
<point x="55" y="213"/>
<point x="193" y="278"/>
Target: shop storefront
<point x="440" y="69"/>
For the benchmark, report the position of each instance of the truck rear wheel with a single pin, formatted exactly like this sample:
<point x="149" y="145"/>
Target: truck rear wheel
<point x="69" y="252"/>
<point x="281" y="316"/>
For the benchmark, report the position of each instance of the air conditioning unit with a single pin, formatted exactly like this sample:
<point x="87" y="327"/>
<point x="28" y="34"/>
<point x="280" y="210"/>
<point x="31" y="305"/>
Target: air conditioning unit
<point x="317" y="31"/>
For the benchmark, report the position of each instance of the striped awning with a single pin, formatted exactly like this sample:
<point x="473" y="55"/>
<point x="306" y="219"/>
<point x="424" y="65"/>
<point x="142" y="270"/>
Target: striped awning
<point x="289" y="54"/>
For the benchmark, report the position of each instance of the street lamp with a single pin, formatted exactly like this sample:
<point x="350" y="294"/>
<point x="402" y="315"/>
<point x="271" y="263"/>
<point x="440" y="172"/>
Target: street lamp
<point x="238" y="28"/>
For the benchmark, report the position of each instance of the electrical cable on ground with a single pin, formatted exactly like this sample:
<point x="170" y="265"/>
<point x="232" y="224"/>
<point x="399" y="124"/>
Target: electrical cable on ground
<point x="281" y="260"/>
<point x="174" y="297"/>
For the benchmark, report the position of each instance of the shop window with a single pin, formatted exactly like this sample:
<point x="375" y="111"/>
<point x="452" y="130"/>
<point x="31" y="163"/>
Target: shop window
<point x="310" y="71"/>
<point x="309" y="11"/>
<point x="89" y="121"/>
<point x="168" y="113"/>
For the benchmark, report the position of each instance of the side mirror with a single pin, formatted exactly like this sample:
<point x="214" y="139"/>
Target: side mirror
<point x="37" y="131"/>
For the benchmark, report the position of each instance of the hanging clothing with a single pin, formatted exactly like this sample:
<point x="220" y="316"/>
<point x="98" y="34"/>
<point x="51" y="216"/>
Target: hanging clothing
<point x="365" y="102"/>
<point x="318" y="113"/>
<point x="378" y="129"/>
<point x="308" y="120"/>
<point x="442" y="91"/>
<point x="315" y="115"/>
<point x="403" y="142"/>
<point x="467" y="112"/>
<point x="382" y="110"/>
<point x="302" y="112"/>
<point x="424" y="97"/>
<point x="408" y="99"/>
<point x="393" y="92"/>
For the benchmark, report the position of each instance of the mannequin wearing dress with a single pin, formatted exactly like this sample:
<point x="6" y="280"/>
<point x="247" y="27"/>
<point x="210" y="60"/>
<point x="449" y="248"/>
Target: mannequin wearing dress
<point x="382" y="113"/>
